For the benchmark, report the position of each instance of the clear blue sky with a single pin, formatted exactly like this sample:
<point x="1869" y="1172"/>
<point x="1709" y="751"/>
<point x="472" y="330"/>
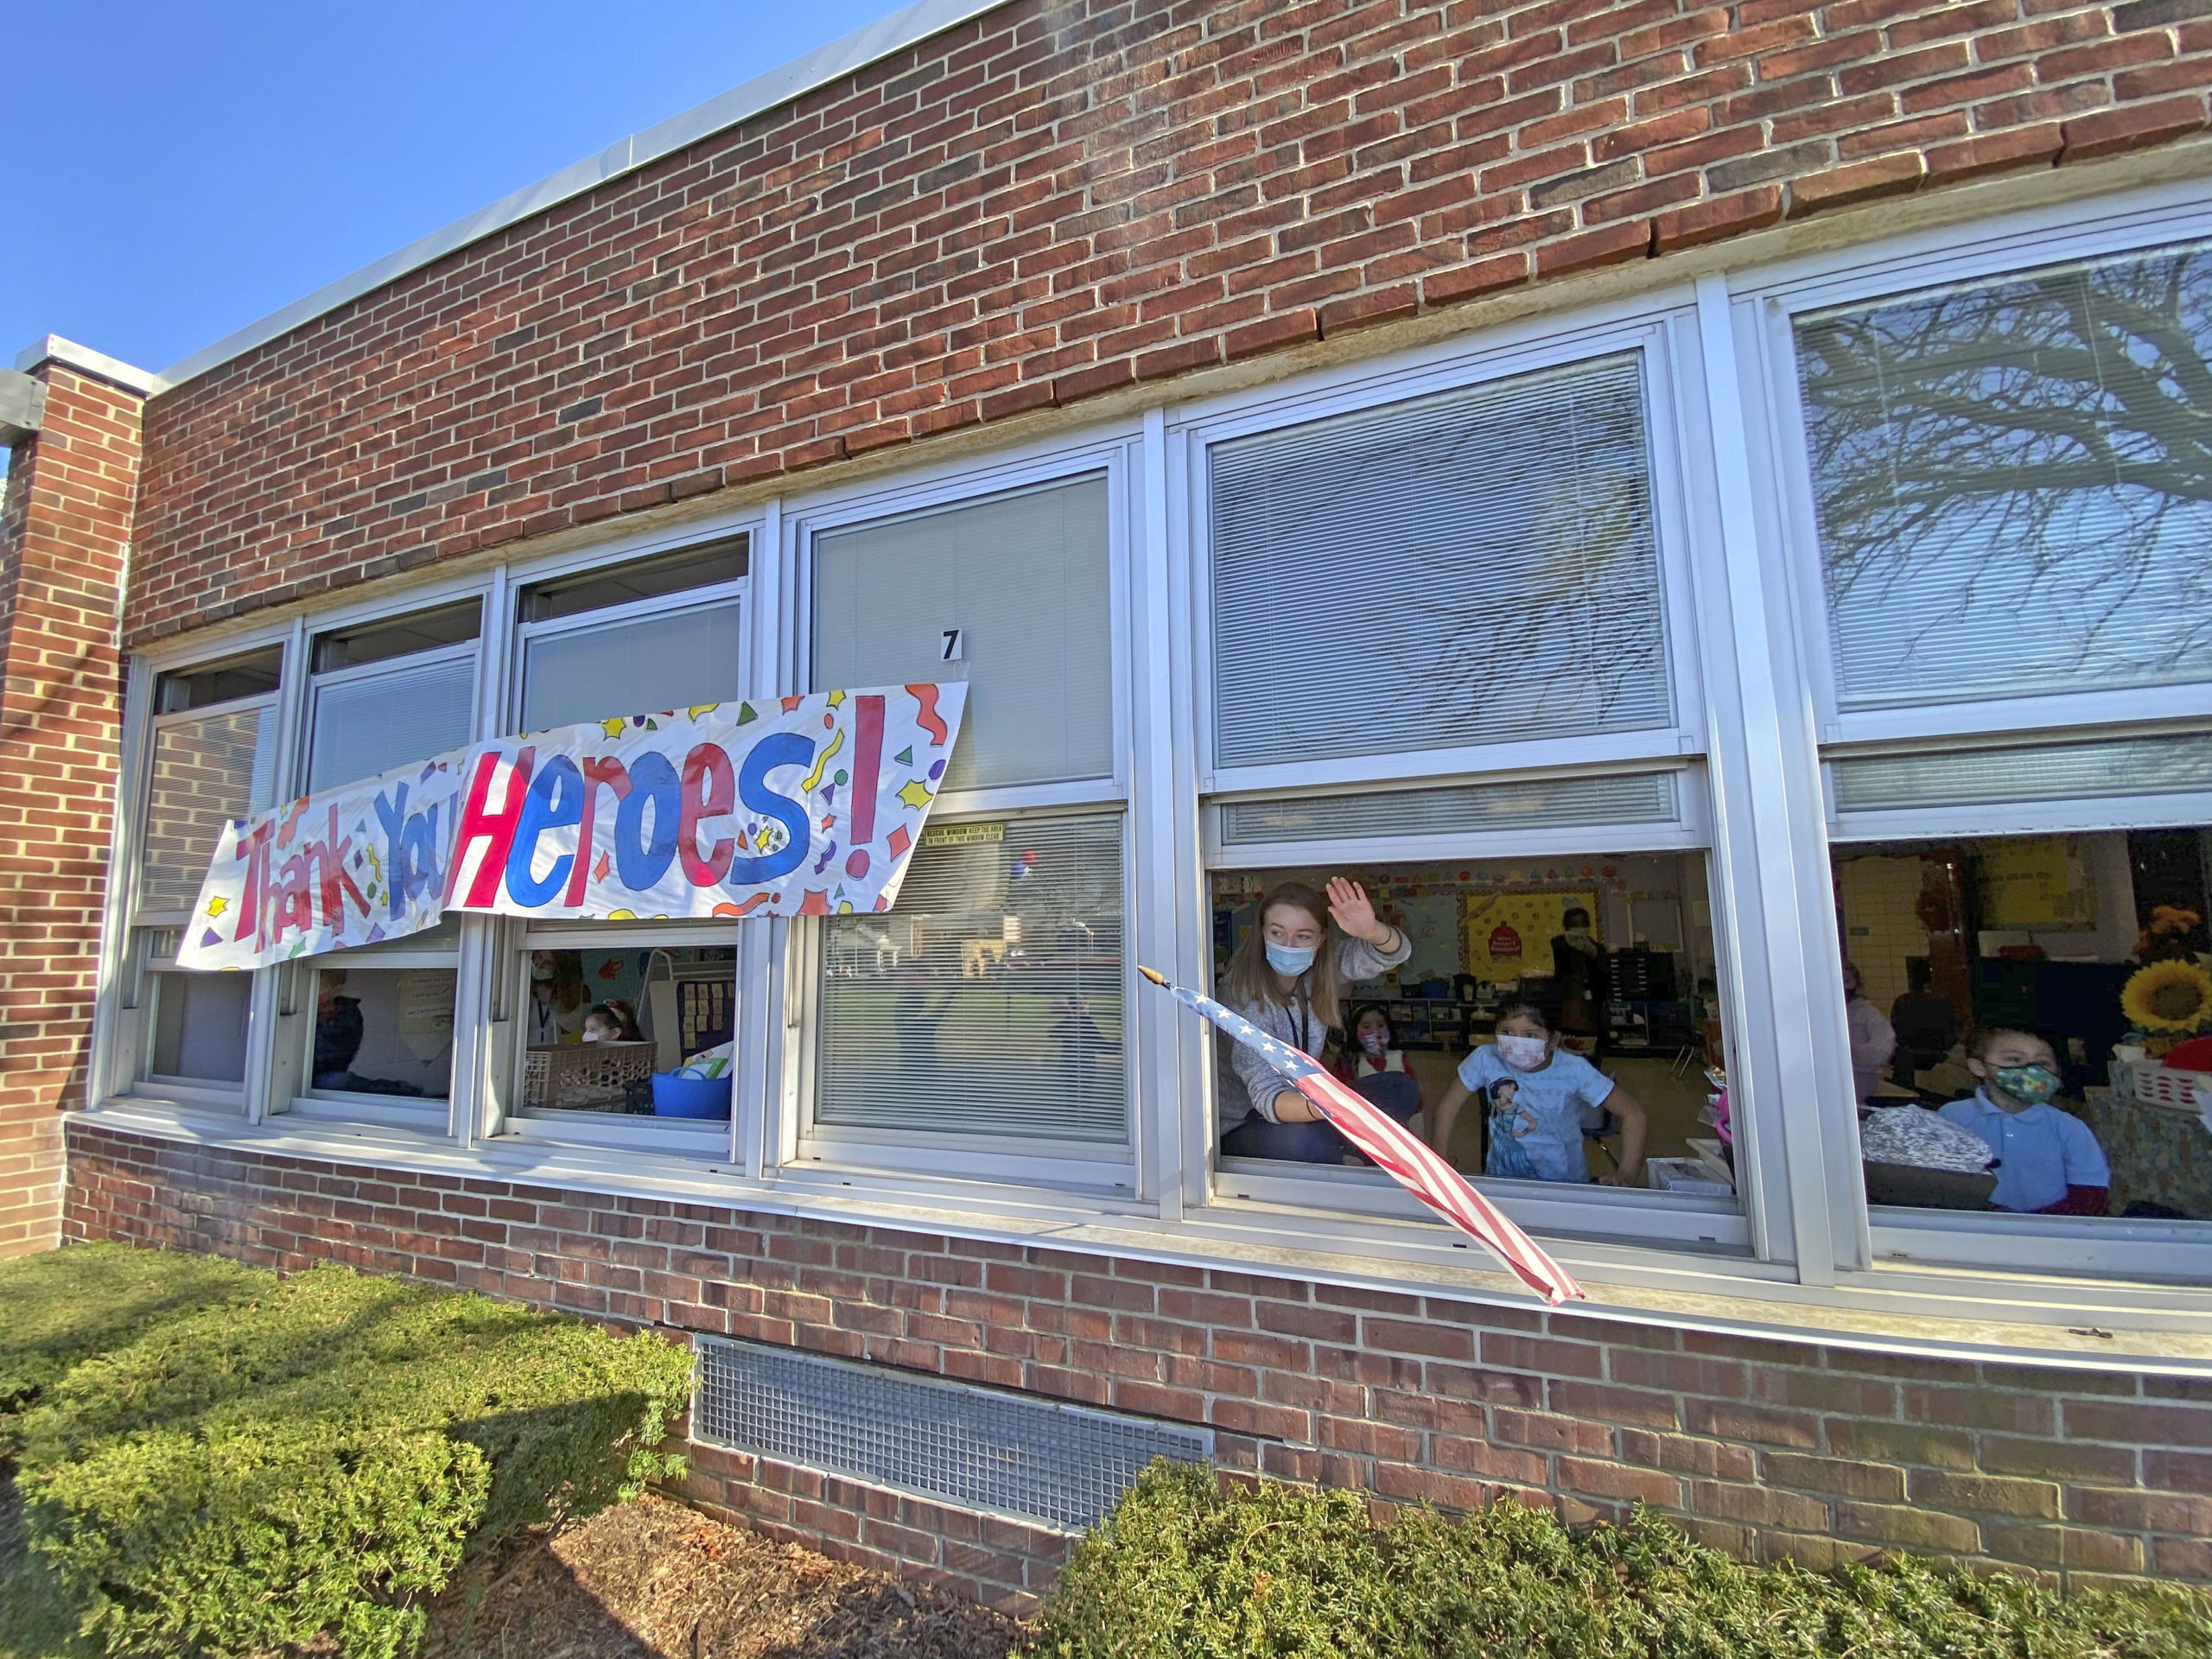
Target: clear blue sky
<point x="181" y="167"/>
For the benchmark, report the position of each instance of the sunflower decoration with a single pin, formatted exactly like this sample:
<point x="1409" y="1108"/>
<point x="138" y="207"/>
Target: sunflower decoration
<point x="2168" y="1000"/>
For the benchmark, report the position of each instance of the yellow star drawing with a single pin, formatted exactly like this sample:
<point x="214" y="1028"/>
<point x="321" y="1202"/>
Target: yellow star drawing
<point x="914" y="794"/>
<point x="217" y="905"/>
<point x="699" y="709"/>
<point x="613" y="727"/>
<point x="836" y="698"/>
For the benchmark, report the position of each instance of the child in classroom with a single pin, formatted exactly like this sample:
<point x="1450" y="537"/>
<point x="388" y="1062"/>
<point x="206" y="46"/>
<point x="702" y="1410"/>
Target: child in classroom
<point x="2048" y="1161"/>
<point x="611" y="1022"/>
<point x="1538" y="1093"/>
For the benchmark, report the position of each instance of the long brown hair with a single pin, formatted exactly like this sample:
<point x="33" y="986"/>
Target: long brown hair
<point x="1250" y="983"/>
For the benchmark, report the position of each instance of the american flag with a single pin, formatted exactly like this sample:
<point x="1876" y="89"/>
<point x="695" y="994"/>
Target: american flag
<point x="1392" y="1147"/>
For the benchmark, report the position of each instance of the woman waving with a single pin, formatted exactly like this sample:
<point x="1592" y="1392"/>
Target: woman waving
<point x="1287" y="978"/>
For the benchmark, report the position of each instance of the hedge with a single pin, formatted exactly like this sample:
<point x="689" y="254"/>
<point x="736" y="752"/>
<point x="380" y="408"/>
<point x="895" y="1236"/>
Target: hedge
<point x="219" y="1461"/>
<point x="1185" y="1569"/>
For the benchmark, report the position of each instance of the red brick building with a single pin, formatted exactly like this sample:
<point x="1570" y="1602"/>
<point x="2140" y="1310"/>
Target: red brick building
<point x="1731" y="472"/>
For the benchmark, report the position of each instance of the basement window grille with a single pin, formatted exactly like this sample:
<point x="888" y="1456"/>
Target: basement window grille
<point x="982" y="1449"/>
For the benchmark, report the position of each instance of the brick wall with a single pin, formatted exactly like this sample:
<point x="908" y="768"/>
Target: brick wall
<point x="1066" y="197"/>
<point x="1767" y="1448"/>
<point x="62" y="543"/>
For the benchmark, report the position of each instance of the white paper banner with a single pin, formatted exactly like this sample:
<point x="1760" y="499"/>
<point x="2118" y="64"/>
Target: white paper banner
<point x="800" y="807"/>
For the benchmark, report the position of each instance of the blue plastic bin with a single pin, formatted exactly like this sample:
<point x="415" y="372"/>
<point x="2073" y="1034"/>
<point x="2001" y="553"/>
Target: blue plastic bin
<point x="674" y="1097"/>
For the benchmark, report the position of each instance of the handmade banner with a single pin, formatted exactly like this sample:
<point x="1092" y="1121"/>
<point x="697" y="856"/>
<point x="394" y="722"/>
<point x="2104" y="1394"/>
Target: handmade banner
<point x="797" y="806"/>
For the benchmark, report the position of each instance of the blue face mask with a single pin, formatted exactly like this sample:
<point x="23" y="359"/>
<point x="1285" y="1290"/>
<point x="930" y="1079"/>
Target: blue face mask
<point x="1289" y="959"/>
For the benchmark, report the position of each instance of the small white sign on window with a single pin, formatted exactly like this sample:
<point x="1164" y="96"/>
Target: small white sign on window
<point x="955" y="648"/>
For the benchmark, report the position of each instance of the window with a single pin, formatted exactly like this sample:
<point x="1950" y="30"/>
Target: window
<point x="1616" y="952"/>
<point x="1009" y="596"/>
<point x="1973" y="960"/>
<point x="211" y="758"/>
<point x="989" y="1002"/>
<point x="2002" y="475"/>
<point x="625" y="1037"/>
<point x="1497" y="545"/>
<point x="636" y="638"/>
<point x="1484" y="567"/>
<point x="391" y="693"/>
<point x="2025" y="451"/>
<point x="660" y="1002"/>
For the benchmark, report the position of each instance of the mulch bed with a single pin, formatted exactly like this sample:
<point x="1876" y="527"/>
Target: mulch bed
<point x="652" y="1579"/>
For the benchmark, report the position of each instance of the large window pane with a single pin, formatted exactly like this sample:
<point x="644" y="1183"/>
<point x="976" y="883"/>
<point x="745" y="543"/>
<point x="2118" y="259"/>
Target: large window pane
<point x="2014" y="482"/>
<point x="1478" y="566"/>
<point x="1976" y="962"/>
<point x="205" y="771"/>
<point x="1023" y="581"/>
<point x="1614" y="952"/>
<point x="383" y="1030"/>
<point x="988" y="1001"/>
<point x="637" y="667"/>
<point x="199" y="1027"/>
<point x="364" y="727"/>
<point x="602" y="1025"/>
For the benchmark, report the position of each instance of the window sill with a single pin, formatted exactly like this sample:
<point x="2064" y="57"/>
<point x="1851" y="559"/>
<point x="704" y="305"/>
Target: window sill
<point x="431" y="1118"/>
<point x="1954" y="1314"/>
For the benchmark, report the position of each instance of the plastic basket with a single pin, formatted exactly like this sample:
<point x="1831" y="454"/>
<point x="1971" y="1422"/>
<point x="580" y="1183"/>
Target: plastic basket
<point x="2148" y="1081"/>
<point x="584" y="1074"/>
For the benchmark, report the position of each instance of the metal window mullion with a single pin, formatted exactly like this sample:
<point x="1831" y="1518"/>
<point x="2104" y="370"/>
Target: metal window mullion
<point x="1774" y="930"/>
<point x="478" y="1062"/>
<point x="262" y="1019"/>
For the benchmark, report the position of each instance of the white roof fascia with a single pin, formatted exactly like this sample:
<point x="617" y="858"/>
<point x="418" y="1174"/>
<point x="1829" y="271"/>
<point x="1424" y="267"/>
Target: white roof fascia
<point x="818" y="68"/>
<point x="52" y="348"/>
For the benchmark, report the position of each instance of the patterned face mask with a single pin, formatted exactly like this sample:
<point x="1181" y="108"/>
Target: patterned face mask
<point x="2033" y="1083"/>
<point x="1375" y="1042"/>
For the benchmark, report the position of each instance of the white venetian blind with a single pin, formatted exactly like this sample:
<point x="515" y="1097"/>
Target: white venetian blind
<point x="363" y="727"/>
<point x="1024" y="578"/>
<point x="987" y="1001"/>
<point x="2014" y="482"/>
<point x="638" y="667"/>
<point x="1475" y="567"/>
<point x="204" y="770"/>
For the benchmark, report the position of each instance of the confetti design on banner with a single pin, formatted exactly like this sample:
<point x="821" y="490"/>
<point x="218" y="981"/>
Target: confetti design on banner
<point x="714" y="810"/>
<point x="1393" y="1148"/>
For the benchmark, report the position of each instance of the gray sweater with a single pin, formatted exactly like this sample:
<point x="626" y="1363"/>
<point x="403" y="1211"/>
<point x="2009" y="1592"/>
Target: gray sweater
<point x="1254" y="1083"/>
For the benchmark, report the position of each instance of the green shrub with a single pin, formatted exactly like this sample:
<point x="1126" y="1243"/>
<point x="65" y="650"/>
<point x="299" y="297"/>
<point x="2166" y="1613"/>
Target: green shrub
<point x="1185" y="1570"/>
<point x="309" y="1460"/>
<point x="67" y="1305"/>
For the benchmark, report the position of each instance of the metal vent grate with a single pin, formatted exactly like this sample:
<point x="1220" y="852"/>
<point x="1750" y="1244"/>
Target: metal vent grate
<point x="976" y="1448"/>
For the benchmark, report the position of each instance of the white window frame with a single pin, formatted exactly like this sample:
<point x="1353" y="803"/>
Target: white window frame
<point x="798" y="1149"/>
<point x="1649" y="329"/>
<point x="1663" y="331"/>
<point x="122" y="1012"/>
<point x="1764" y="305"/>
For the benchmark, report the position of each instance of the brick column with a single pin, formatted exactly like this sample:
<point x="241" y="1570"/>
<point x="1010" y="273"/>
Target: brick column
<point x="72" y="483"/>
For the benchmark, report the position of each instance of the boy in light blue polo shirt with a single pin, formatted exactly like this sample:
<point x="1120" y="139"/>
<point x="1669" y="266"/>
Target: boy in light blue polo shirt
<point x="2048" y="1161"/>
